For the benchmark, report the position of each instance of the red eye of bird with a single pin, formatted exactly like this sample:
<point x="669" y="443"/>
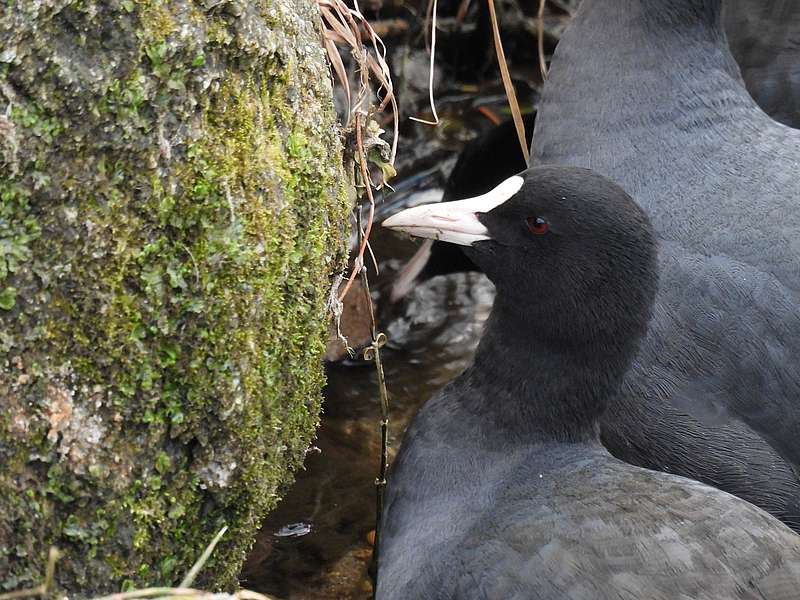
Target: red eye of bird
<point x="537" y="225"/>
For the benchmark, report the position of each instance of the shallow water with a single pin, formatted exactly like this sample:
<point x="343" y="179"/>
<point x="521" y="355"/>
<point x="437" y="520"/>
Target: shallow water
<point x="315" y="545"/>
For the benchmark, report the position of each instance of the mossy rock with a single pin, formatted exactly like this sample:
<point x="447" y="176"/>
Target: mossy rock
<point x="171" y="210"/>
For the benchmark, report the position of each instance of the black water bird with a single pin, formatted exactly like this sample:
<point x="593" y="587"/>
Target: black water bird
<point x="502" y="489"/>
<point x="714" y="393"/>
<point x="647" y="93"/>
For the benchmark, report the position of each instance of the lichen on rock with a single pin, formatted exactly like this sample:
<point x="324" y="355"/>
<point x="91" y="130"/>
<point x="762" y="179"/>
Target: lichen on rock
<point x="171" y="209"/>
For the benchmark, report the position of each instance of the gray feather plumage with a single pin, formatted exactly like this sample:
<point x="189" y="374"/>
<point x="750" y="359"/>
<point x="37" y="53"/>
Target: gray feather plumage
<point x="647" y="93"/>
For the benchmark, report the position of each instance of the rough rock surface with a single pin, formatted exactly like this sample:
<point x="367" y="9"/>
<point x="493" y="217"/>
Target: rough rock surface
<point x="171" y="211"/>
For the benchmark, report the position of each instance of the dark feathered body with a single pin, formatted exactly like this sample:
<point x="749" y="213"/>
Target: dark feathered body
<point x="487" y="501"/>
<point x="469" y="518"/>
<point x="646" y="93"/>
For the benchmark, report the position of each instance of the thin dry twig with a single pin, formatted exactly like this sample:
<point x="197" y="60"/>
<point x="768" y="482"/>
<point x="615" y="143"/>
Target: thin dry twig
<point x="462" y="11"/>
<point x="433" y="8"/>
<point x="329" y="39"/>
<point x="347" y="26"/>
<point x="373" y="352"/>
<point x="489" y="114"/>
<point x="184" y="593"/>
<point x="361" y="159"/>
<point x="343" y="24"/>
<point x="390" y="27"/>
<point x="427" y="25"/>
<point x="507" y="83"/>
<point x="154" y="592"/>
<point x="540" y="39"/>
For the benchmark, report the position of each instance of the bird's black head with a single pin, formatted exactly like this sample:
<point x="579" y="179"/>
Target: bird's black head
<point x="571" y="254"/>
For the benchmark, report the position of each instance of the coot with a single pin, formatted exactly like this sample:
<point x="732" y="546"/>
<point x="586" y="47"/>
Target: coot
<point x="502" y="489"/>
<point x="646" y="92"/>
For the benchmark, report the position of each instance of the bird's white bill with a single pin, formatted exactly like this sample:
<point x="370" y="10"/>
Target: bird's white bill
<point x="456" y="222"/>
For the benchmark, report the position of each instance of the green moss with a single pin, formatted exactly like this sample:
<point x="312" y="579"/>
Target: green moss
<point x="157" y="20"/>
<point x="18" y="228"/>
<point x="167" y="244"/>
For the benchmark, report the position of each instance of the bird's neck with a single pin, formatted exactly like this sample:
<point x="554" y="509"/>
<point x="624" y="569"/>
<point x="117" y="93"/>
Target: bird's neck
<point x="639" y="64"/>
<point x="535" y="390"/>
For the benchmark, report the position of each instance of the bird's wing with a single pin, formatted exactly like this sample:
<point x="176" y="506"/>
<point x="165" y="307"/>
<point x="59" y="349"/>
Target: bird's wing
<point x="609" y="530"/>
<point x="714" y="393"/>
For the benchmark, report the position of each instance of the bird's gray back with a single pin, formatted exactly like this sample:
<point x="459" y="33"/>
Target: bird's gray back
<point x="570" y="522"/>
<point x="668" y="118"/>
